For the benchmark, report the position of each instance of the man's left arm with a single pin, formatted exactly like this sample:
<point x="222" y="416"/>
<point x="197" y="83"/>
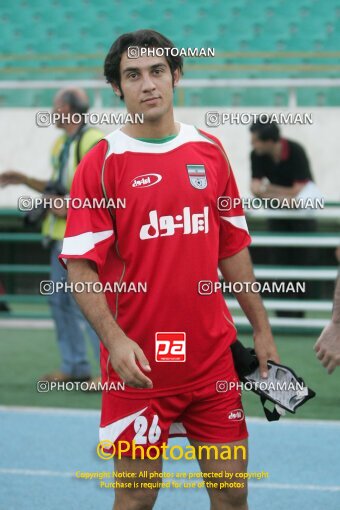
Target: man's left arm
<point x="238" y="268"/>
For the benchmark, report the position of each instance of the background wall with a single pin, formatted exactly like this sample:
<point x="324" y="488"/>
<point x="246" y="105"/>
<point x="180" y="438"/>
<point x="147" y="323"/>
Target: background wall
<point x="26" y="147"/>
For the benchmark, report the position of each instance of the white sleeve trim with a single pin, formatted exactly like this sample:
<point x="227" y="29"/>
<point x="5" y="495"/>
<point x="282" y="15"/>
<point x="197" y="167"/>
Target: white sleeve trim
<point x="237" y="221"/>
<point x="78" y="245"/>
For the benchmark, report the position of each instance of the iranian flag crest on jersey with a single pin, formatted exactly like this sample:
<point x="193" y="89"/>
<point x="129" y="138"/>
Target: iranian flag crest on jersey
<point x="197" y="176"/>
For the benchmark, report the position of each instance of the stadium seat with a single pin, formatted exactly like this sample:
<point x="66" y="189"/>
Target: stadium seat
<point x="37" y="35"/>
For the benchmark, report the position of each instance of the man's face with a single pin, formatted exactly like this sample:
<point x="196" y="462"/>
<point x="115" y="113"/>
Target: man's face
<point x="261" y="147"/>
<point x="60" y="107"/>
<point x="147" y="85"/>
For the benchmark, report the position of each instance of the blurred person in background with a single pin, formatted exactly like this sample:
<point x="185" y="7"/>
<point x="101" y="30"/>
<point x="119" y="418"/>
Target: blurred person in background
<point x="280" y="170"/>
<point x="3" y="305"/>
<point x="67" y="152"/>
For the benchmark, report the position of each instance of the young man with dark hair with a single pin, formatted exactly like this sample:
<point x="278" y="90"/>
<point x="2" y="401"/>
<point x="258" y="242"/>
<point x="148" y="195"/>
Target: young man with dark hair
<point x="139" y="39"/>
<point x="280" y="169"/>
<point x="171" y="235"/>
<point x="265" y="131"/>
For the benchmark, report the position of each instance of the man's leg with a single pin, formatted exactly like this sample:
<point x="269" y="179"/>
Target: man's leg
<point x="137" y="498"/>
<point x="215" y="418"/>
<point x="68" y="324"/>
<point x="225" y="498"/>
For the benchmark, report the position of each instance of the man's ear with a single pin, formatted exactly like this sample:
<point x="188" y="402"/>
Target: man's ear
<point x="116" y="89"/>
<point x="176" y="77"/>
<point x="64" y="108"/>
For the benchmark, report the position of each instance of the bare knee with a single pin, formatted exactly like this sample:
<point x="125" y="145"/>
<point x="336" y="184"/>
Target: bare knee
<point x="135" y="499"/>
<point x="235" y="498"/>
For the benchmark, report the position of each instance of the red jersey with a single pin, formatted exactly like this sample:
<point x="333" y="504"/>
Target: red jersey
<point x="162" y="234"/>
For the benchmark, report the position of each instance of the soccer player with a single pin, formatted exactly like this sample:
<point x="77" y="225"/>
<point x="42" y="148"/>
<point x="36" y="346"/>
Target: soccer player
<point x="171" y="235"/>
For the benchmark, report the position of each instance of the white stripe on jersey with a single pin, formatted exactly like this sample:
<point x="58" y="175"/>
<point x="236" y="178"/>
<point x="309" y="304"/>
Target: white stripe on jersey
<point x="237" y="221"/>
<point x="78" y="245"/>
<point x="112" y="432"/>
<point x="119" y="142"/>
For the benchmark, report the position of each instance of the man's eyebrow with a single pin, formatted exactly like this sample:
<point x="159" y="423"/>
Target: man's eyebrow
<point x="137" y="69"/>
<point x="129" y="69"/>
<point x="160" y="64"/>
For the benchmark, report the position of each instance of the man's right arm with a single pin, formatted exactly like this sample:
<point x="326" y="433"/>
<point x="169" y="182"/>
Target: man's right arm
<point x="124" y="352"/>
<point x="12" y="177"/>
<point x="258" y="179"/>
<point x="89" y="238"/>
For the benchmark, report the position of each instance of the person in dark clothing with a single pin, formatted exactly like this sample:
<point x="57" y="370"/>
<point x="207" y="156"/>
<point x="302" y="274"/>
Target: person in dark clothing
<point x="3" y="305"/>
<point x="280" y="169"/>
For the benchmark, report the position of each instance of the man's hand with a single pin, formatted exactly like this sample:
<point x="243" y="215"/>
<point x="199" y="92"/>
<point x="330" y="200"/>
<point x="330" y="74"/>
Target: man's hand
<point x="328" y="347"/>
<point x="265" y="350"/>
<point x="12" y="177"/>
<point x="61" y="212"/>
<point x="124" y="354"/>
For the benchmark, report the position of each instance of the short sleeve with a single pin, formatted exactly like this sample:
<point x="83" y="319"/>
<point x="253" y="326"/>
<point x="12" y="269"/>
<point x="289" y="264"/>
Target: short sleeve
<point x="302" y="172"/>
<point x="89" y="228"/>
<point x="257" y="171"/>
<point x="234" y="234"/>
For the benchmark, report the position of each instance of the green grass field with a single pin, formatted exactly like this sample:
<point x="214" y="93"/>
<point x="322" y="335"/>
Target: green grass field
<point x="27" y="354"/>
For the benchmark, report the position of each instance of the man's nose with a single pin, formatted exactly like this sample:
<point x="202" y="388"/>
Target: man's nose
<point x="148" y="83"/>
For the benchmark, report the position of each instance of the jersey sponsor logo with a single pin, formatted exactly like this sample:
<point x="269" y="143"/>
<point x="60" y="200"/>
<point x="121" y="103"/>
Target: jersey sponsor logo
<point x="236" y="415"/>
<point x="197" y="176"/>
<point x="145" y="180"/>
<point x="170" y="346"/>
<point x="188" y="223"/>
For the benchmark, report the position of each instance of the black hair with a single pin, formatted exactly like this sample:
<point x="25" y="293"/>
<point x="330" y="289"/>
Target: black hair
<point x="267" y="130"/>
<point x="140" y="38"/>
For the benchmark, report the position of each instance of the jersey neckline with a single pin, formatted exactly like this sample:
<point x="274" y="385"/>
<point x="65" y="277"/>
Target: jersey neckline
<point x="161" y="141"/>
<point x="158" y="140"/>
